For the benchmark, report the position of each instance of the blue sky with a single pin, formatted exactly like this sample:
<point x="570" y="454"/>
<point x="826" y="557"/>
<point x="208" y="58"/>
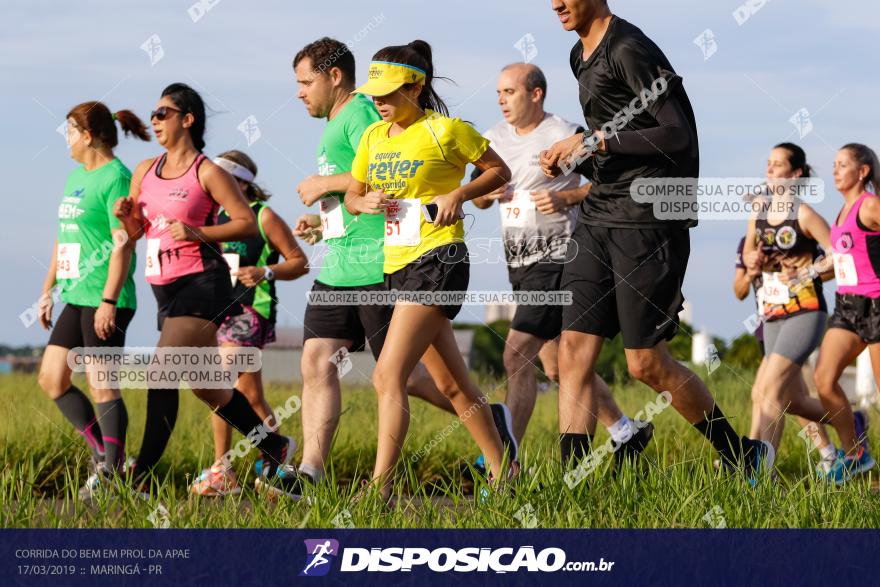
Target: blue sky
<point x="790" y="54"/>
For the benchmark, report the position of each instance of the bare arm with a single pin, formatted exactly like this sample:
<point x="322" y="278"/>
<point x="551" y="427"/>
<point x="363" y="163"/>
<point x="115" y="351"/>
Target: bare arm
<point x="224" y="189"/>
<point x="742" y="283"/>
<point x="359" y="201"/>
<point x="46" y="301"/>
<point x="315" y="187"/>
<point x="494" y="174"/>
<point x="127" y="209"/>
<point x="815" y="227"/>
<point x="282" y="240"/>
<point x="120" y="261"/>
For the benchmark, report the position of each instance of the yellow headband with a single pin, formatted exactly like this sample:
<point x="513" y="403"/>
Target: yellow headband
<point x="386" y="77"/>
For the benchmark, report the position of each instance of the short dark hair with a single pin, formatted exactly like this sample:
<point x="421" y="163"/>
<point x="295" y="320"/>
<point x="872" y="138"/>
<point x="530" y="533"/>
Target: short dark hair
<point x="534" y="77"/>
<point x="326" y="53"/>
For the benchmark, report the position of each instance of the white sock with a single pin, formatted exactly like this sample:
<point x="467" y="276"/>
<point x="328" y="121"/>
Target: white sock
<point x="315" y="473"/>
<point x="622" y="430"/>
<point x="828" y="452"/>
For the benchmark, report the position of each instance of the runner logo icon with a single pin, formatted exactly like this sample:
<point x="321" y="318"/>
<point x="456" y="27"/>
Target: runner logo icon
<point x="320" y="554"/>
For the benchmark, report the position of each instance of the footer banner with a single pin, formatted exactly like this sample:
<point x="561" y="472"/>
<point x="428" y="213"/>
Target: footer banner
<point x="396" y="557"/>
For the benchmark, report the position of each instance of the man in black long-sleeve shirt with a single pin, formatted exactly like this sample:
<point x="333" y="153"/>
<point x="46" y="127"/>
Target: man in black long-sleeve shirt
<point x="627" y="266"/>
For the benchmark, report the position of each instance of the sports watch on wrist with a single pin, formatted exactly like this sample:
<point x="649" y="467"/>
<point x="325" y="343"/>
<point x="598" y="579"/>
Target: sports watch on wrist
<point x="268" y="274"/>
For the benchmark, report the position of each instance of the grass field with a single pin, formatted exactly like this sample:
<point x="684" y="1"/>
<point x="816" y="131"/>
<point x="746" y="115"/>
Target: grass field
<point x="43" y="462"/>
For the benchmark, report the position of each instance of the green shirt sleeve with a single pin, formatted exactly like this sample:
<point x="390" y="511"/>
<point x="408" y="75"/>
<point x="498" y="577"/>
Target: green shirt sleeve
<point x="361" y="159"/>
<point x="117" y="188"/>
<point x="356" y="125"/>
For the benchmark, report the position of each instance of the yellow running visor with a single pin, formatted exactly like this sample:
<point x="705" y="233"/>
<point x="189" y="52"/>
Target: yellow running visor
<point x="386" y="77"/>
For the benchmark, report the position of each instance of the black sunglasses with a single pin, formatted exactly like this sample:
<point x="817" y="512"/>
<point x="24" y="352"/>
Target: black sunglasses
<point x="161" y="113"/>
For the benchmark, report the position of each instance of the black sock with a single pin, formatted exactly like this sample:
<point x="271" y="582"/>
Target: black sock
<point x="239" y="413"/>
<point x="574" y="446"/>
<point x="114" y="424"/>
<point x="722" y="436"/>
<point x="162" y="407"/>
<point x="77" y="408"/>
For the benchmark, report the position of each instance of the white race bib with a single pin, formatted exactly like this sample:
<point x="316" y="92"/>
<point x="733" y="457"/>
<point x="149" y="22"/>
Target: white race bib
<point x="233" y="260"/>
<point x="67" y="261"/>
<point x="403" y="222"/>
<point x="775" y="292"/>
<point x="151" y="266"/>
<point x="332" y="223"/>
<point x="845" y="269"/>
<point x="520" y="211"/>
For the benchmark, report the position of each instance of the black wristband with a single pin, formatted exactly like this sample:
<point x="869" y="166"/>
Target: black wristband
<point x="108" y="301"/>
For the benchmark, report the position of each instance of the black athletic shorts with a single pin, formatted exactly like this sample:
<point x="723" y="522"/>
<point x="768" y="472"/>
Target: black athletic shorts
<point x="543" y="321"/>
<point x="857" y="314"/>
<point x="206" y="295"/>
<point x="355" y="323"/>
<point x="444" y="269"/>
<point x="75" y="327"/>
<point x="625" y="280"/>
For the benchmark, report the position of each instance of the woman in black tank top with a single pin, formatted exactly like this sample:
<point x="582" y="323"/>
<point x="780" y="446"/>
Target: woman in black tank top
<point x="783" y="248"/>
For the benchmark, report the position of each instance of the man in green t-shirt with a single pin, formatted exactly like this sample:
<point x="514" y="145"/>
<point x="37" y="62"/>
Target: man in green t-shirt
<point x="325" y="74"/>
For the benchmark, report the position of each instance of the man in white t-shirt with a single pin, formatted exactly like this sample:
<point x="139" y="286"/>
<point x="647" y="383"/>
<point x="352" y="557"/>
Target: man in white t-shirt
<point x="537" y="218"/>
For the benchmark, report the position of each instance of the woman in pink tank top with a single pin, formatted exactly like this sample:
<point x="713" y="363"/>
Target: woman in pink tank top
<point x="855" y="324"/>
<point x="174" y="201"/>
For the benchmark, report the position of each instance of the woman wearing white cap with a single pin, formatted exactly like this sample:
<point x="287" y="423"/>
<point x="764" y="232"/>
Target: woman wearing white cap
<point x="254" y="265"/>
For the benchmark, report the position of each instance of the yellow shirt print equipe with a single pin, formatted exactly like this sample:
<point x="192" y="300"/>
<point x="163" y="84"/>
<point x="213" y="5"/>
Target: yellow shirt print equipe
<point x="426" y="160"/>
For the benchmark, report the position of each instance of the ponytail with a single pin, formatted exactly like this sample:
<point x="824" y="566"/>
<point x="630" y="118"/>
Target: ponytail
<point x="417" y="54"/>
<point x="96" y="118"/>
<point x="131" y="124"/>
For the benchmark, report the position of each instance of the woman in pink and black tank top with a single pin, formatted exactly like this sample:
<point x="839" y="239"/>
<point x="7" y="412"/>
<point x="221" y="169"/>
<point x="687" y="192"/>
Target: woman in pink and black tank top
<point x="855" y="324"/>
<point x="174" y="201"/>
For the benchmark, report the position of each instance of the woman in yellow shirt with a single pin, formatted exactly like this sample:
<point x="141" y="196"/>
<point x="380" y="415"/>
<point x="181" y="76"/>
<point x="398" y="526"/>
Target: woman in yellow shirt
<point x="415" y="158"/>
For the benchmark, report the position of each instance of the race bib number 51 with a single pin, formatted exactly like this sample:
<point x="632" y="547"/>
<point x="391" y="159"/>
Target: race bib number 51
<point x="402" y="222"/>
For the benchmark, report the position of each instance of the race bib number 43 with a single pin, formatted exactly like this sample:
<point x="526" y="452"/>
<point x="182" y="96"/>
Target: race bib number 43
<point x="402" y="222"/>
<point x="520" y="211"/>
<point x="67" y="261"/>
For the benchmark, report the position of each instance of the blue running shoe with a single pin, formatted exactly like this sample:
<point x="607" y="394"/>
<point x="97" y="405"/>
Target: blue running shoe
<point x="845" y="468"/>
